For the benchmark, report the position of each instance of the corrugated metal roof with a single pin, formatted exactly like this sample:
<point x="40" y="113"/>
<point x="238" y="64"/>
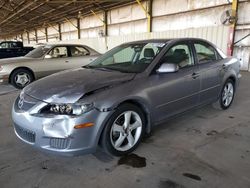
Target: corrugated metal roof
<point x="17" y="16"/>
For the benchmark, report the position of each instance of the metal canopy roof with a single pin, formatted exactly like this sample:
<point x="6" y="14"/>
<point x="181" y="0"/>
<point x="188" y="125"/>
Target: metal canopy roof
<point x="17" y="16"/>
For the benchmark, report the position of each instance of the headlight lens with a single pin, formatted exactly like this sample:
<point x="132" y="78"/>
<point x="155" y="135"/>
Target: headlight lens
<point x="67" y="109"/>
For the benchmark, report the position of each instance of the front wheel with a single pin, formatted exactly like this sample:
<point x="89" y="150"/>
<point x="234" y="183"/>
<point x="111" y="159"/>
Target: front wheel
<point x="21" y="78"/>
<point x="124" y="130"/>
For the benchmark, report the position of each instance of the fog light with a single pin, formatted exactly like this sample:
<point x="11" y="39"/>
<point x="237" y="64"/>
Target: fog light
<point x="84" y="125"/>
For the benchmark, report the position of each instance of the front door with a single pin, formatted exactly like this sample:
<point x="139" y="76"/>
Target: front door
<point x="173" y="93"/>
<point x="59" y="61"/>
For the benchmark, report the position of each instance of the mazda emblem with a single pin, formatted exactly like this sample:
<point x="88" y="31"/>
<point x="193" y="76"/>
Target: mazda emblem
<point x="20" y="103"/>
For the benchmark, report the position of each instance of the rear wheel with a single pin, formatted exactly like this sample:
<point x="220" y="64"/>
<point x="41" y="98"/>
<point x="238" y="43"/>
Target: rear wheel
<point x="227" y="94"/>
<point x="124" y="130"/>
<point x="21" y="78"/>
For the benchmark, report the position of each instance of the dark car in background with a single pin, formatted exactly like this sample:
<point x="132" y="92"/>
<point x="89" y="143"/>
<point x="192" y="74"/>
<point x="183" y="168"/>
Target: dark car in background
<point x="10" y="49"/>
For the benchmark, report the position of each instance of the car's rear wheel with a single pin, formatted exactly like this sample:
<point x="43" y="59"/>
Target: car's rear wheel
<point x="227" y="94"/>
<point x="124" y="130"/>
<point x="21" y="78"/>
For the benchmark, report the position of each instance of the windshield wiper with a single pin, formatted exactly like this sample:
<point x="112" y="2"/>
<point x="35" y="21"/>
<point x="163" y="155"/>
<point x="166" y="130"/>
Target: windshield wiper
<point x="106" y="69"/>
<point x="87" y="67"/>
<point x="98" y="68"/>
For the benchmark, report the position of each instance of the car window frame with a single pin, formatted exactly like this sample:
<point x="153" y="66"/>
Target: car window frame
<point x="185" y="42"/>
<point x="57" y="47"/>
<point x="217" y="55"/>
<point x="70" y="54"/>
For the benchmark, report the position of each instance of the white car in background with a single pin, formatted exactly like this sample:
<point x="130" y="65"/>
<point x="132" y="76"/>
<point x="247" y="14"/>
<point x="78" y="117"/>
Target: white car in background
<point x="43" y="61"/>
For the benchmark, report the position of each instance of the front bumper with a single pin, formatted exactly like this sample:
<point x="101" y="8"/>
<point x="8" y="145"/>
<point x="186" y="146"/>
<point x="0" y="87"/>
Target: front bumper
<point x="4" y="78"/>
<point x="56" y="134"/>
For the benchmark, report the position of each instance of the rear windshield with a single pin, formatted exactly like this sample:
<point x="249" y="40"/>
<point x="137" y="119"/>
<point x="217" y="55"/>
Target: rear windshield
<point x="38" y="52"/>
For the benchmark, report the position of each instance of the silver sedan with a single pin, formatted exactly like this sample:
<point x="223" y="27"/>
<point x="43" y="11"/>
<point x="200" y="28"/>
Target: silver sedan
<point x="43" y="61"/>
<point x="118" y="98"/>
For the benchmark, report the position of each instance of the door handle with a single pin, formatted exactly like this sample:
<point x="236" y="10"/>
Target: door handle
<point x="224" y="66"/>
<point x="195" y="75"/>
<point x="66" y="61"/>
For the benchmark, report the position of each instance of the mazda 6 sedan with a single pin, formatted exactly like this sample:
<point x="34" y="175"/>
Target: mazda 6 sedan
<point x="43" y="61"/>
<point x="118" y="98"/>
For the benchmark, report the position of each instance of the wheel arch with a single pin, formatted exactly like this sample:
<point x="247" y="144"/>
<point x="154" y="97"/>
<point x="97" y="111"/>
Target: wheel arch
<point x="144" y="109"/>
<point x="233" y="78"/>
<point x="138" y="103"/>
<point x="26" y="68"/>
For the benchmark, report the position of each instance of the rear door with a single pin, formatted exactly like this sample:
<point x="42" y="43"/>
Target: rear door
<point x="80" y="56"/>
<point x="173" y="93"/>
<point x="209" y="64"/>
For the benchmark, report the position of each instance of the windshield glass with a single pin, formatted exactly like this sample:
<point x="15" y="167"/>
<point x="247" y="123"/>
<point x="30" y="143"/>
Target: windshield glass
<point x="131" y="58"/>
<point x="38" y="52"/>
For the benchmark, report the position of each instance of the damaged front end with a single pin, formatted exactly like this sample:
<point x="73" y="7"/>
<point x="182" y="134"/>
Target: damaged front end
<point x="57" y="129"/>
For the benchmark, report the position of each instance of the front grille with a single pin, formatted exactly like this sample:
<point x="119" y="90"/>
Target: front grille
<point x="59" y="143"/>
<point x="25" y="134"/>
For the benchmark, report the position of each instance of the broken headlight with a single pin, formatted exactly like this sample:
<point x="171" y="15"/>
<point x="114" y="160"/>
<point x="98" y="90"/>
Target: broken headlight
<point x="67" y="109"/>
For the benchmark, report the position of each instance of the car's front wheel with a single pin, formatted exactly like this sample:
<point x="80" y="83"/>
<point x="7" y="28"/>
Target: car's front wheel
<point x="124" y="130"/>
<point x="21" y="78"/>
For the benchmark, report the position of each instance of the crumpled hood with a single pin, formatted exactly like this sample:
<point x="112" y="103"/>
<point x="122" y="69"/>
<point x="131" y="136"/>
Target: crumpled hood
<point x="15" y="60"/>
<point x="69" y="86"/>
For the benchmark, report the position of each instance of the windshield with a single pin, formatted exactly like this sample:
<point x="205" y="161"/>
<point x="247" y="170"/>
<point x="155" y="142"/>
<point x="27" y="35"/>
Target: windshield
<point x="130" y="58"/>
<point x="38" y="52"/>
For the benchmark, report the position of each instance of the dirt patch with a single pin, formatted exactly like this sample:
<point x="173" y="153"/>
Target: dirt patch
<point x="212" y="133"/>
<point x="132" y="160"/>
<point x="170" y="184"/>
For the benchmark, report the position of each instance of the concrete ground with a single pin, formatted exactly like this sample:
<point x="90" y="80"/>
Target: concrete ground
<point x="203" y="148"/>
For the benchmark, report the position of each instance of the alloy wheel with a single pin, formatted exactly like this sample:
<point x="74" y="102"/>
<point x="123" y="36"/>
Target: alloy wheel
<point x="126" y="130"/>
<point x="227" y="95"/>
<point x="22" y="79"/>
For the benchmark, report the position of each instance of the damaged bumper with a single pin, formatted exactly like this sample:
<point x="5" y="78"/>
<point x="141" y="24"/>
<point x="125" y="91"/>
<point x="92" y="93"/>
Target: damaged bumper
<point x="56" y="133"/>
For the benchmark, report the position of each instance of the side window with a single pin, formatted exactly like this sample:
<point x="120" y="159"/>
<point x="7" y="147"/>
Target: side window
<point x="205" y="53"/>
<point x="77" y="51"/>
<point x="179" y="54"/>
<point x="13" y="45"/>
<point x="148" y="52"/>
<point x="58" y="52"/>
<point x="4" y="45"/>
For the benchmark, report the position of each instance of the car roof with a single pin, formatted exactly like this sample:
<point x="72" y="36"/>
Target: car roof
<point x="62" y="44"/>
<point x="167" y="40"/>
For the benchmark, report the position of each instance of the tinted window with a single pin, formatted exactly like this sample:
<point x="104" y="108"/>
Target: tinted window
<point x="205" y="53"/>
<point x="78" y="51"/>
<point x="58" y="52"/>
<point x="179" y="54"/>
<point x="4" y="45"/>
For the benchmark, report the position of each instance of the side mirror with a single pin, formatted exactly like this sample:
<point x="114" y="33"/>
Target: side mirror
<point x="48" y="56"/>
<point x="167" y="68"/>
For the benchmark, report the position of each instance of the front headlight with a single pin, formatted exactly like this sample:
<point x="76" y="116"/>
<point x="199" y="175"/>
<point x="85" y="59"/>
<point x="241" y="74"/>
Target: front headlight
<point x="67" y="109"/>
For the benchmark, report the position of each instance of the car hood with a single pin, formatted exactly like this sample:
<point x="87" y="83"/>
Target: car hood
<point x="16" y="60"/>
<point x="69" y="86"/>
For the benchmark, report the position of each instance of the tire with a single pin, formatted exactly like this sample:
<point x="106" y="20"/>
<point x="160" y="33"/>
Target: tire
<point x="226" y="95"/>
<point x="21" y="78"/>
<point x="118" y="140"/>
